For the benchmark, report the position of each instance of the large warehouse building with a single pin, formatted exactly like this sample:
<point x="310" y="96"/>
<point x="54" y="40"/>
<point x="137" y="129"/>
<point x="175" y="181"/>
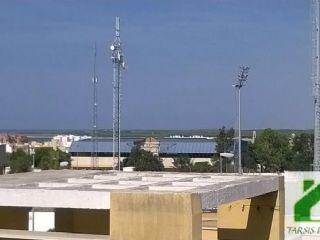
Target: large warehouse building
<point x="199" y="150"/>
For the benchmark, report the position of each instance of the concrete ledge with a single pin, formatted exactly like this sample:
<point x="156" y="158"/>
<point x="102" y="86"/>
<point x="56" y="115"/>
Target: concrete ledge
<point x="234" y="190"/>
<point x="91" y="189"/>
<point x="53" y="198"/>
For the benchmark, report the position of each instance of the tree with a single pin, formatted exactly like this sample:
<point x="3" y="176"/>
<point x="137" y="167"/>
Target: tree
<point x="224" y="140"/>
<point x="202" y="167"/>
<point x="64" y="157"/>
<point x="143" y="160"/>
<point x="249" y="164"/>
<point x="46" y="158"/>
<point x="271" y="150"/>
<point x="215" y="163"/>
<point x="182" y="163"/>
<point x="301" y="156"/>
<point x="20" y="161"/>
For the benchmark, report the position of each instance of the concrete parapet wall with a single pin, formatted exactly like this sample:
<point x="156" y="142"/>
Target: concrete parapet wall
<point x="156" y="216"/>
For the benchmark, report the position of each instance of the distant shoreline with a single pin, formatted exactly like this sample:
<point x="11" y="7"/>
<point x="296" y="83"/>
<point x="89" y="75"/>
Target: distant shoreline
<point x="47" y="134"/>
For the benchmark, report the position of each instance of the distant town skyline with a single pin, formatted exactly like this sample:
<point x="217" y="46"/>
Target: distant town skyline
<point x="182" y="58"/>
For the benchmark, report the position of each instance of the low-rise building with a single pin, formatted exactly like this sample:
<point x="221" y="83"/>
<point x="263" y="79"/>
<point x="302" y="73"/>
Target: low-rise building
<point x="199" y="150"/>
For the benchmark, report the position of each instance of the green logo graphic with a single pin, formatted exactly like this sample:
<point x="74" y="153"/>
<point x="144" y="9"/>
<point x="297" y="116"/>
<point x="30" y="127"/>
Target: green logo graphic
<point x="302" y="209"/>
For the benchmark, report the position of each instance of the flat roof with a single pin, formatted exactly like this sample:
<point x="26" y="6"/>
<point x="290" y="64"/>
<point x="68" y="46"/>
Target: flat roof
<point x="89" y="189"/>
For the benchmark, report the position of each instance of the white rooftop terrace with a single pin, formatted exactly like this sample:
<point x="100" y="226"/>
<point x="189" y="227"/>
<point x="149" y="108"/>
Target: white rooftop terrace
<point x="91" y="189"/>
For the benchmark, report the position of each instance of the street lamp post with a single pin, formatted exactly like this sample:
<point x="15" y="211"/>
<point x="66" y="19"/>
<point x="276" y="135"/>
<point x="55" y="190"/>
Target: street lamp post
<point x="242" y="78"/>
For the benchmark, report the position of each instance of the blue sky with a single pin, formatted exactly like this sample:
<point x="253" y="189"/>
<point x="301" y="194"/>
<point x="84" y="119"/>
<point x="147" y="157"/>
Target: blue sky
<point x="182" y="56"/>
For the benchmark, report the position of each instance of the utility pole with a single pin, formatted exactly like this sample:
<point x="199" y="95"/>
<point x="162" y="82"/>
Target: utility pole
<point x="94" y="153"/>
<point x="242" y="78"/>
<point x="316" y="83"/>
<point x="118" y="66"/>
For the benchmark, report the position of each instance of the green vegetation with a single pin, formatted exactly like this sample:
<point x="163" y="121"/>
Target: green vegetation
<point x="48" y="158"/>
<point x="183" y="163"/>
<point x="270" y="150"/>
<point x="301" y="153"/>
<point x="202" y="167"/>
<point x="276" y="152"/>
<point x="143" y="160"/>
<point x="225" y="140"/>
<point x="20" y="161"/>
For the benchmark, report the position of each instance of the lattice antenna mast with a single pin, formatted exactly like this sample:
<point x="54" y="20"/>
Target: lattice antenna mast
<point x="94" y="153"/>
<point x="118" y="65"/>
<point x="316" y="83"/>
<point x="242" y="78"/>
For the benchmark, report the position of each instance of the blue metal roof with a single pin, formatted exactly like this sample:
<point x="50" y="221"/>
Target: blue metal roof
<point x="167" y="146"/>
<point x="187" y="147"/>
<point x="103" y="146"/>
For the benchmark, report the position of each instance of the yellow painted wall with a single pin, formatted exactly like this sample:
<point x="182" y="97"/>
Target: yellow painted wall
<point x="155" y="216"/>
<point x="209" y="226"/>
<point x="259" y="218"/>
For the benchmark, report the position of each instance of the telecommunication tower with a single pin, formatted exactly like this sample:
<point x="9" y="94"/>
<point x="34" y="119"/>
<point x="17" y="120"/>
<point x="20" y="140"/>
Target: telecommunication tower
<point x="118" y="66"/>
<point x="316" y="83"/>
<point x="94" y="153"/>
<point x="242" y="78"/>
